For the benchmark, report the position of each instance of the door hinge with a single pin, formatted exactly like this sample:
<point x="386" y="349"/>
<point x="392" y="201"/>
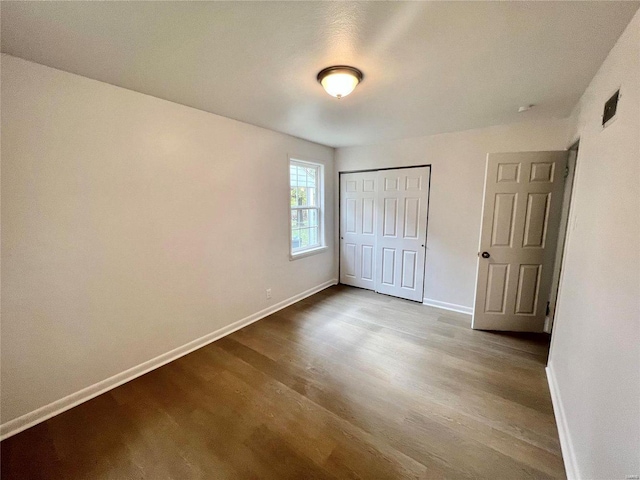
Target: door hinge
<point x="566" y="171"/>
<point x="548" y="308"/>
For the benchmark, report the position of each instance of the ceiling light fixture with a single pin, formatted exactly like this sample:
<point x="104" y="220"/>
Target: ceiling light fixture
<point x="340" y="80"/>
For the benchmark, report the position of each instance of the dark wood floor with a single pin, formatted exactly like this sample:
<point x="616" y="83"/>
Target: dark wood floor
<point x="345" y="384"/>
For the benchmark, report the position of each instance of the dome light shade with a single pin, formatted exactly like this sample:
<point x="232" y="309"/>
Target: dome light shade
<point x="339" y="81"/>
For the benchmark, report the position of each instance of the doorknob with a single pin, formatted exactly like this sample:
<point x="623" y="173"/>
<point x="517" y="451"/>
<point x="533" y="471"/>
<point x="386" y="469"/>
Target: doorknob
<point x="486" y="254"/>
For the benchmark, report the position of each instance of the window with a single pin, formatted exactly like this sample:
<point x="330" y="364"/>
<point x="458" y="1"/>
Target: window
<point x="306" y="199"/>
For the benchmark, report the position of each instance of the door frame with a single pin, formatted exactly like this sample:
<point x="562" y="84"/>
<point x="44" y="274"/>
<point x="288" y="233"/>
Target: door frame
<point x="571" y="220"/>
<point x="339" y="229"/>
<point x="560" y="255"/>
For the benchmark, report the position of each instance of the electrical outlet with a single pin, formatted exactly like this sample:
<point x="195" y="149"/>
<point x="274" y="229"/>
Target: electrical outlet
<point x="268" y="293"/>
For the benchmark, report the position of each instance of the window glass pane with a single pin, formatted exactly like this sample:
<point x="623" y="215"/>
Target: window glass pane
<point x="304" y="237"/>
<point x="311" y="176"/>
<point x="313" y="235"/>
<point x="306" y="180"/>
<point x="303" y="199"/>
<point x="313" y="218"/>
<point x="304" y="196"/>
<point x="295" y="238"/>
<point x="302" y="177"/>
<point x="294" y="197"/>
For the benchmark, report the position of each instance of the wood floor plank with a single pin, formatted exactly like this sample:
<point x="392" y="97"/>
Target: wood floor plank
<point x="344" y="384"/>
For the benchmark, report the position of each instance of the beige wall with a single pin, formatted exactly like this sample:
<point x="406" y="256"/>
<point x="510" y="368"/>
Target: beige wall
<point x="595" y="354"/>
<point x="457" y="180"/>
<point x="132" y="226"/>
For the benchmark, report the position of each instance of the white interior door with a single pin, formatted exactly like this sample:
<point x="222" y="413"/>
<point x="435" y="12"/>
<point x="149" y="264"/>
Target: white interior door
<point x="402" y="232"/>
<point x="520" y="220"/>
<point x="383" y="230"/>
<point x="358" y="192"/>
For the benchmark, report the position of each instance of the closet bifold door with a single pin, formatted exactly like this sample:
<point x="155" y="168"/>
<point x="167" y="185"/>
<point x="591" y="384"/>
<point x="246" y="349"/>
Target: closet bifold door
<point x="358" y="195"/>
<point x="401" y="232"/>
<point x="383" y="230"/>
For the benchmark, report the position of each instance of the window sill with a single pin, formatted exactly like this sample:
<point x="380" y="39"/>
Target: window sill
<point x="308" y="253"/>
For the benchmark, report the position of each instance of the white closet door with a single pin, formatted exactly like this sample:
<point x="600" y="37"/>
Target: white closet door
<point x="357" y="229"/>
<point x="383" y="230"/>
<point x="402" y="231"/>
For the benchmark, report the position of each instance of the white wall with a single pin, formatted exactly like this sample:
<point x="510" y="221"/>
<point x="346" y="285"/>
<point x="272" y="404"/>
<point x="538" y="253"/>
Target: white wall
<point x="132" y="226"/>
<point x="595" y="354"/>
<point x="457" y="180"/>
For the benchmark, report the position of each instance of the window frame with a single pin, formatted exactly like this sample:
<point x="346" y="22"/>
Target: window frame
<point x="321" y="246"/>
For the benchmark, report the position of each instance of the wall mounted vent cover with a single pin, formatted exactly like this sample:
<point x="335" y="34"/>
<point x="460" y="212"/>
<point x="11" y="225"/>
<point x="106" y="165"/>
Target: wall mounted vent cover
<point x="610" y="108"/>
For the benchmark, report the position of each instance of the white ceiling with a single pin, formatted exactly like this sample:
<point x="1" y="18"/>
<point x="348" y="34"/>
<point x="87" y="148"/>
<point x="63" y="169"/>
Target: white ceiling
<point x="429" y="67"/>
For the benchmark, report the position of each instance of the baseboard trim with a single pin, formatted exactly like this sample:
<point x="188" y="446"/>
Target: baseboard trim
<point x="568" y="453"/>
<point x="448" y="306"/>
<point x="41" y="414"/>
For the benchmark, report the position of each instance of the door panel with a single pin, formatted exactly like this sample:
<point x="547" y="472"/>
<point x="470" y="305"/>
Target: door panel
<point x="368" y="265"/>
<point x="349" y="264"/>
<point x="508" y="173"/>
<point x="388" y="266"/>
<point x="411" y="217"/>
<point x="503" y="217"/>
<point x="409" y="268"/>
<point x="536" y="220"/>
<point x="391" y="183"/>
<point x="528" y="285"/>
<point x="390" y="216"/>
<point x="520" y="220"/>
<point x="350" y="213"/>
<point x="358" y="196"/>
<point x="496" y="287"/>
<point x="368" y="216"/>
<point x="542" y="172"/>
<point x="402" y="232"/>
